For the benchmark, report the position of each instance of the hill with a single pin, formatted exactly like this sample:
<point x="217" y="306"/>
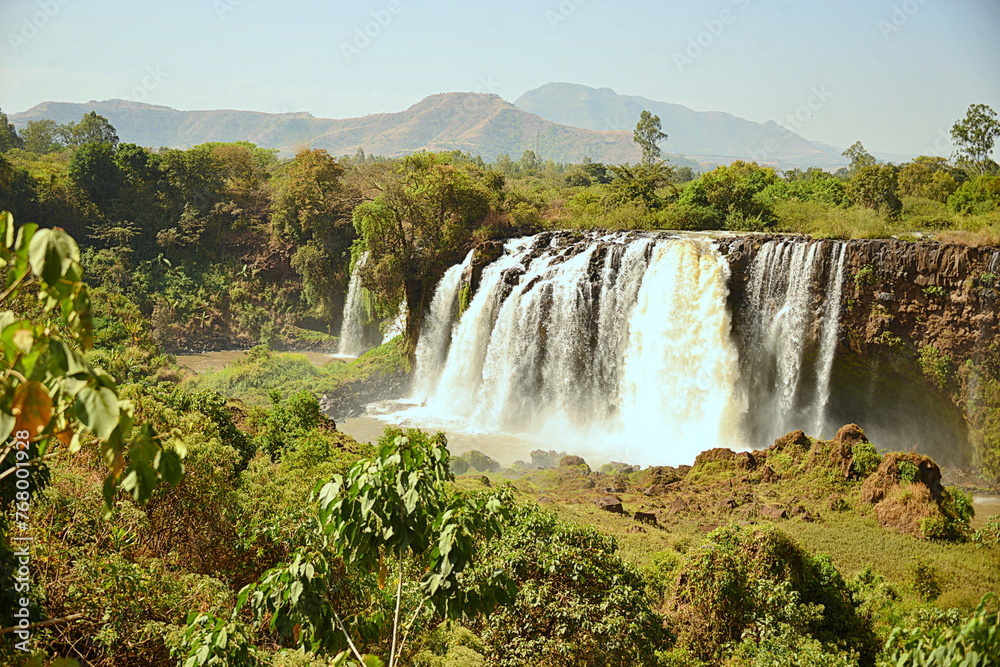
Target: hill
<point x="480" y="124"/>
<point x="706" y="136"/>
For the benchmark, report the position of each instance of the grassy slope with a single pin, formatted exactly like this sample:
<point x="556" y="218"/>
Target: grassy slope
<point x="851" y="537"/>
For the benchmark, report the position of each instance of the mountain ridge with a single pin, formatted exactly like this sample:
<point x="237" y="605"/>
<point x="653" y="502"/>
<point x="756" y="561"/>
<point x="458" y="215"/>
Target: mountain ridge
<point x="559" y="121"/>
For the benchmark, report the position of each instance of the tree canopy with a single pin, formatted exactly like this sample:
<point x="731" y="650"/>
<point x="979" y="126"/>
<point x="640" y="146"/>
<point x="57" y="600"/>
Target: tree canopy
<point x="648" y="135"/>
<point x="975" y="135"/>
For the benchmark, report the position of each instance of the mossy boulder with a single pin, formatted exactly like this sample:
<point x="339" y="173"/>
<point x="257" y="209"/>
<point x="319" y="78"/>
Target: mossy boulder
<point x="479" y="462"/>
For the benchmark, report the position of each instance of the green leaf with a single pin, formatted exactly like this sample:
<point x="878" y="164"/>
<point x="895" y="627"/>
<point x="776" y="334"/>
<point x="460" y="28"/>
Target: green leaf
<point x="7" y="228"/>
<point x="98" y="410"/>
<point x="51" y="253"/>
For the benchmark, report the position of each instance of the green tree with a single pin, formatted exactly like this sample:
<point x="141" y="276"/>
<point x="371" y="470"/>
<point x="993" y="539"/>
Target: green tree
<point x="859" y="157"/>
<point x="42" y="137"/>
<point x="529" y="164"/>
<point x="975" y="135"/>
<point x="311" y="208"/>
<point x="733" y="191"/>
<point x="395" y="510"/>
<point x="52" y="401"/>
<point x="979" y="195"/>
<point x="92" y="129"/>
<point x="927" y="177"/>
<point x="8" y="135"/>
<point x="640" y="183"/>
<point x="416" y="228"/>
<point x="93" y="169"/>
<point x="648" y="135"/>
<point x="876" y="187"/>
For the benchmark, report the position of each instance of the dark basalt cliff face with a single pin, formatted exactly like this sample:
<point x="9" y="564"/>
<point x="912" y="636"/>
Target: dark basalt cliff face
<point x="925" y="293"/>
<point x="919" y="340"/>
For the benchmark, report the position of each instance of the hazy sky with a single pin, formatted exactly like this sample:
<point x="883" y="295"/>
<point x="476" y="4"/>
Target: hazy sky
<point x="893" y="73"/>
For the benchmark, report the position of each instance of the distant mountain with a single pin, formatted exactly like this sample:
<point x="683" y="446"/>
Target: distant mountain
<point x="706" y="136"/>
<point x="480" y="124"/>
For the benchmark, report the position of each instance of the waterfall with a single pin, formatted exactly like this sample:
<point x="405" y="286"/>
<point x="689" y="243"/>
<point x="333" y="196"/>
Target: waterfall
<point x="432" y="346"/>
<point x="352" y="340"/>
<point x="829" y="335"/>
<point x="621" y="341"/>
<point x="789" y="321"/>
<point x="681" y="368"/>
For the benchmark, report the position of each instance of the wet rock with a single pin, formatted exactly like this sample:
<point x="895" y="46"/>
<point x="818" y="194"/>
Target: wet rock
<point x="542" y="460"/>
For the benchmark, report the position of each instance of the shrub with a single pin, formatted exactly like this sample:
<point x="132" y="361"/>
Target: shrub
<point x="578" y="602"/>
<point x="936" y="365"/>
<point x="924" y="580"/>
<point x="864" y="277"/>
<point x="988" y="535"/>
<point x="751" y="582"/>
<point x="865" y="459"/>
<point x="935" y="292"/>
<point x="977" y="195"/>
<point x="947" y="638"/>
<point x="908" y="472"/>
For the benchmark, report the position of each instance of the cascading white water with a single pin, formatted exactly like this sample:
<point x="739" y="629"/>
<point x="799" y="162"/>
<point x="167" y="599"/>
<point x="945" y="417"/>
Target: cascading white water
<point x="432" y="346"/>
<point x="785" y="307"/>
<point x="621" y="344"/>
<point x="681" y="369"/>
<point x="352" y="341"/>
<point x="829" y="335"/>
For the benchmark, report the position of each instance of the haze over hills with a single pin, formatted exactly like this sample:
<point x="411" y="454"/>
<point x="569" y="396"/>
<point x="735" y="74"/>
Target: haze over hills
<point x="704" y="135"/>
<point x="559" y="121"/>
<point x="481" y="124"/>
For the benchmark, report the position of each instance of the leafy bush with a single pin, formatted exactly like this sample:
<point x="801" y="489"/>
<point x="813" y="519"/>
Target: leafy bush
<point x="578" y="602"/>
<point x="755" y="586"/>
<point x="865" y="459"/>
<point x="451" y="645"/>
<point x="936" y="365"/>
<point x="908" y="472"/>
<point x="935" y="292"/>
<point x="864" y="277"/>
<point x="976" y="196"/>
<point x="947" y="638"/>
<point x="924" y="580"/>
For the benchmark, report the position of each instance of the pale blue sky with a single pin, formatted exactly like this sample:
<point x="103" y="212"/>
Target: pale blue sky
<point x="896" y="73"/>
